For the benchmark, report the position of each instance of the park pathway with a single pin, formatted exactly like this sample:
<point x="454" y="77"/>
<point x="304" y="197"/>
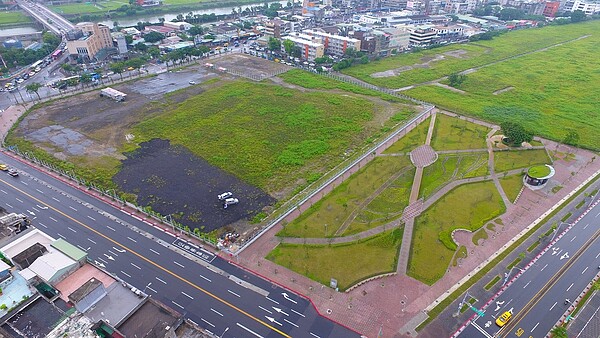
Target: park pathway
<point x="490" y="147"/>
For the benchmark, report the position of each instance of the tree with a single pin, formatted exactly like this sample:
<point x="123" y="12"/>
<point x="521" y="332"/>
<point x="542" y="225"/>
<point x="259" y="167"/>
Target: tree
<point x="515" y="133"/>
<point x="456" y="79"/>
<point x="193" y="31"/>
<point x="33" y="88"/>
<point x="508" y="13"/>
<point x="50" y="39"/>
<point x="572" y="138"/>
<point x="577" y="16"/>
<point x="128" y="39"/>
<point x="288" y="46"/>
<point x="153" y="37"/>
<point x="85" y="78"/>
<point x="559" y="332"/>
<point x="118" y="68"/>
<point x="274" y="44"/>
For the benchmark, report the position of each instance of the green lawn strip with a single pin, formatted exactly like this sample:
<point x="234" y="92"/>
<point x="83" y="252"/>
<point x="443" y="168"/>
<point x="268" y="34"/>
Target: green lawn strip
<point x="451" y="133"/>
<point x="226" y="126"/>
<point x="491" y="283"/>
<point x="580" y="204"/>
<point x="539" y="171"/>
<point x="349" y="263"/>
<point x="313" y="81"/>
<point x="467" y="304"/>
<point x="413" y="139"/>
<point x="11" y="18"/>
<point x="516" y="159"/>
<point x="511" y="185"/>
<point x="434" y="312"/>
<point x="514" y="263"/>
<point x="491" y="227"/>
<point x="334" y="208"/>
<point x="478" y="235"/>
<point x="566" y="217"/>
<point x="533" y="246"/>
<point x="556" y="189"/>
<point x="467" y="207"/>
<point x="450" y="167"/>
<point x="460" y="253"/>
<point x="384" y="208"/>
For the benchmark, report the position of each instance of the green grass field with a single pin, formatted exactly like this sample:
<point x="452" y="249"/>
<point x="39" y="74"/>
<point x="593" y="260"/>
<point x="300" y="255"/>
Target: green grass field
<point x="517" y="159"/>
<point x="265" y="134"/>
<point x="378" y="255"/>
<point x="468" y="207"/>
<point x="414" y="138"/>
<point x="88" y="7"/>
<point x="11" y="18"/>
<point x="511" y="185"/>
<point x="325" y="217"/>
<point x="452" y="133"/>
<point x="451" y="167"/>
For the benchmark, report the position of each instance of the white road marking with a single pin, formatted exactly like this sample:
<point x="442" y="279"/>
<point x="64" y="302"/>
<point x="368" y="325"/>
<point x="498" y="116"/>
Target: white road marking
<point x="102" y="260"/>
<point x="19" y="199"/>
<point x="112" y="253"/>
<point x="526" y="284"/>
<point x="598" y="255"/>
<point x="160" y="280"/>
<point x="573" y="238"/>
<point x="42" y="224"/>
<point x="10" y="206"/>
<point x="177" y="304"/>
<point x="206" y="321"/>
<point x="211" y="269"/>
<point x="38" y="190"/>
<point x="56" y="199"/>
<point x="206" y="279"/>
<point x="92" y="241"/>
<point x="217" y="312"/>
<point x="54" y="219"/>
<point x="179" y="264"/>
<point x="262" y="308"/>
<point x="298" y="313"/>
<point x="584" y="270"/>
<point x="274" y="301"/>
<point x="59" y="235"/>
<point x="131" y="239"/>
<point x="70" y="207"/>
<point x="314" y="335"/>
<point x="136" y="266"/>
<point x="151" y="289"/>
<point x="570" y="286"/>
<point x="544" y="267"/>
<point x="233" y="293"/>
<point x="110" y="228"/>
<point x="72" y="229"/>
<point x="156" y="252"/>
<point x="4" y="191"/>
<point x="536" y="325"/>
<point x="188" y="296"/>
<point x="287" y="321"/>
<point x="586" y="226"/>
<point x="24" y="183"/>
<point x="92" y="218"/>
<point x="80" y="247"/>
<point x="247" y="329"/>
<point x="125" y="273"/>
<point x="552" y="307"/>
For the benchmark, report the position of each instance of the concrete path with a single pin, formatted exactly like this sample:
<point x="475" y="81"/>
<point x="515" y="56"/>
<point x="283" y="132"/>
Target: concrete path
<point x="490" y="147"/>
<point x="414" y="192"/>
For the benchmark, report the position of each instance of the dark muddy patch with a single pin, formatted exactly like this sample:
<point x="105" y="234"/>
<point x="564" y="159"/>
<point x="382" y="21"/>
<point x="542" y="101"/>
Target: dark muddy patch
<point x="172" y="180"/>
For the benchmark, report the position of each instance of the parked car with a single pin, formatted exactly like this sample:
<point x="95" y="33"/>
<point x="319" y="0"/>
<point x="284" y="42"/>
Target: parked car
<point x="192" y="82"/>
<point x="230" y="201"/>
<point x="225" y="195"/>
<point x="13" y="172"/>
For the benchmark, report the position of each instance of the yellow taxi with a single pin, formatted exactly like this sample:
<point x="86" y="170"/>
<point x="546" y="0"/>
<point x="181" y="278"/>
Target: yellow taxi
<point x="3" y="167"/>
<point x="503" y="319"/>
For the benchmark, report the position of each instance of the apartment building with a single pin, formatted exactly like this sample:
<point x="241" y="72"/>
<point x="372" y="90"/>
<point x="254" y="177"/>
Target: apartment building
<point x="334" y="44"/>
<point x="311" y="47"/>
<point x="421" y="36"/>
<point x="87" y="39"/>
<point x="589" y="7"/>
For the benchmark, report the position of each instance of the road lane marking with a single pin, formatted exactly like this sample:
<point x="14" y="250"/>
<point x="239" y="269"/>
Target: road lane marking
<point x="149" y="261"/>
<point x="298" y="313"/>
<point x="572" y="239"/>
<point x="207" y="322"/>
<point x="80" y="247"/>
<point x="131" y="239"/>
<point x="70" y="207"/>
<point x="10" y="206"/>
<point x="151" y="289"/>
<point x="233" y="293"/>
<point x="247" y="329"/>
<point x="92" y="218"/>
<point x="526" y="284"/>
<point x="54" y="219"/>
<point x="61" y="236"/>
<point x="42" y="224"/>
<point x="160" y="280"/>
<point x="287" y="321"/>
<point x="274" y="301"/>
<point x="135" y="266"/>
<point x="598" y="255"/>
<point x="4" y="191"/>
<point x="536" y="325"/>
<point x="179" y="264"/>
<point x="553" y="305"/>
<point x="75" y="231"/>
<point x="102" y="260"/>
<point x="91" y="240"/>
<point x="217" y="312"/>
<point x="38" y="190"/>
<point x="110" y="228"/>
<point x="584" y="270"/>
<point x="156" y="252"/>
<point x="206" y="279"/>
<point x="24" y="183"/>
<point x="177" y="304"/>
<point x="544" y="267"/>
<point x="267" y="310"/>
<point x="56" y="199"/>
<point x="585" y="227"/>
<point x="314" y="335"/>
<point x="570" y="286"/>
<point x="125" y="273"/>
<point x="112" y="253"/>
<point x="188" y="296"/>
<point x="19" y="200"/>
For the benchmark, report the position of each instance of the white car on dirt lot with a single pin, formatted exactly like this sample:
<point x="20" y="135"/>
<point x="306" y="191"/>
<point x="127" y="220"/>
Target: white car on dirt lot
<point x="225" y="195"/>
<point x="230" y="201"/>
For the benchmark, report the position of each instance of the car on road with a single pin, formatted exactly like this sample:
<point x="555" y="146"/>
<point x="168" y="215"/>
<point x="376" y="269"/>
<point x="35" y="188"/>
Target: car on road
<point x="13" y="172"/>
<point x="504" y="318"/>
<point x="192" y="82"/>
<point x="3" y="167"/>
<point x="19" y="80"/>
<point x="224" y="195"/>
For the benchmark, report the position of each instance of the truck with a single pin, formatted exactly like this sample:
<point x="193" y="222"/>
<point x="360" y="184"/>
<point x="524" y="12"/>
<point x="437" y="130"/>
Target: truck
<point x="113" y="94"/>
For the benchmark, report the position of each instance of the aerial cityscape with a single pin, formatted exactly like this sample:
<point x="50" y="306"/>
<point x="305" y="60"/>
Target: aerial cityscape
<point x="324" y="168"/>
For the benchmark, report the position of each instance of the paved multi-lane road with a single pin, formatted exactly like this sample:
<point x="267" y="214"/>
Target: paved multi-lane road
<point x="543" y="290"/>
<point x="212" y="292"/>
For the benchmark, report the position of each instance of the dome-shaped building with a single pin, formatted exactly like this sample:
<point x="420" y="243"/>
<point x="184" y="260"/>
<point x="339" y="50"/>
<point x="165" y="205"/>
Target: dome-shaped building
<point x="537" y="176"/>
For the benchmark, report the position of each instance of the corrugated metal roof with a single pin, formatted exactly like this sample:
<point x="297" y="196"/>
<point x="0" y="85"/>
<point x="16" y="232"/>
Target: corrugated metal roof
<point x="68" y="249"/>
<point x="48" y="265"/>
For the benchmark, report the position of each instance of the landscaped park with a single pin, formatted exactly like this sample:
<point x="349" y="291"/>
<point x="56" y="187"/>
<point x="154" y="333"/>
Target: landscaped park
<point x="354" y="232"/>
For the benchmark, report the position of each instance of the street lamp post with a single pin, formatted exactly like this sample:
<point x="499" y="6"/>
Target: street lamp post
<point x="557" y="229"/>
<point x="148" y="285"/>
<point x="226" y="329"/>
<point x="507" y="274"/>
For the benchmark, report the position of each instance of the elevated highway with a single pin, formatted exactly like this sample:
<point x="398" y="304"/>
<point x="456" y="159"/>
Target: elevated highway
<point x="54" y="22"/>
